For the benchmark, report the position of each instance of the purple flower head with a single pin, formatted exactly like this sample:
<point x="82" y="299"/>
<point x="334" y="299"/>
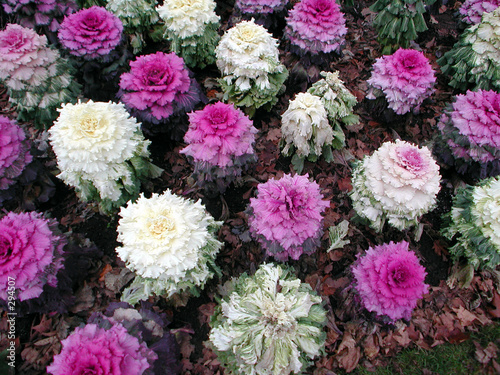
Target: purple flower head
<point x="14" y="152"/>
<point x="91" y="33"/>
<point x="218" y="134"/>
<point x="316" y="26"/>
<point x="30" y="253"/>
<point x="472" y="10"/>
<point x="390" y="280"/>
<point x="406" y="78"/>
<point x="33" y="13"/>
<point x="95" y="350"/>
<point x="471" y="128"/>
<point x="260" y="6"/>
<point x="285" y="217"/>
<point x="157" y="86"/>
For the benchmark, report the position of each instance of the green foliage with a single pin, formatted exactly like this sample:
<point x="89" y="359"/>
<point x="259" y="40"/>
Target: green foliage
<point x="398" y="22"/>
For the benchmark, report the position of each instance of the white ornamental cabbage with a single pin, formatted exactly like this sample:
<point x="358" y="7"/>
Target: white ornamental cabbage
<point x="474" y="224"/>
<point x="187" y="18"/>
<point x="305" y="126"/>
<point x="100" y="151"/>
<point x="247" y="54"/>
<point x="398" y="182"/>
<point x="169" y="242"/>
<point x="268" y="323"/>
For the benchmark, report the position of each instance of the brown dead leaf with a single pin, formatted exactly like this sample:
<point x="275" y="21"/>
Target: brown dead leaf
<point x="465" y="316"/>
<point x="370" y="346"/>
<point x="496" y="303"/>
<point x="344" y="183"/>
<point x="84" y="298"/>
<point x="206" y="311"/>
<point x="402" y="337"/>
<point x="487" y="354"/>
<point x="107" y="268"/>
<point x="274" y="134"/>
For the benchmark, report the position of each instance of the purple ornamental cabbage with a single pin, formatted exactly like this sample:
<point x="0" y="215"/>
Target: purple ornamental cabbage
<point x="470" y="131"/>
<point x="32" y="13"/>
<point x="390" y="280"/>
<point x="316" y="26"/>
<point x="91" y="33"/>
<point x="158" y="86"/>
<point x="14" y="152"/>
<point x="285" y="217"/>
<point x="472" y="10"/>
<point x="405" y="78"/>
<point x="31" y="253"/>
<point x="260" y="7"/>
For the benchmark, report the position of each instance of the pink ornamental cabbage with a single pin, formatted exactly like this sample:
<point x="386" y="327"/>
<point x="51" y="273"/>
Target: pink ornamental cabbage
<point x="14" y="152"/>
<point x="91" y="33"/>
<point x="472" y="10"/>
<point x="95" y="350"/>
<point x="285" y="217"/>
<point x="316" y="26"/>
<point x="406" y="78"/>
<point x="32" y="13"/>
<point x="471" y="129"/>
<point x="30" y="253"/>
<point x="219" y="134"/>
<point x="260" y="6"/>
<point x="157" y="86"/>
<point x="390" y="280"/>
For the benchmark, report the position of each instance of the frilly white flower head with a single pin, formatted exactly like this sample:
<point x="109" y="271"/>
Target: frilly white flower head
<point x="398" y="182"/>
<point x="246" y="54"/>
<point x="94" y="143"/>
<point x="268" y="323"/>
<point x="474" y="221"/>
<point x="187" y="18"/>
<point x="169" y="242"/>
<point x="305" y="126"/>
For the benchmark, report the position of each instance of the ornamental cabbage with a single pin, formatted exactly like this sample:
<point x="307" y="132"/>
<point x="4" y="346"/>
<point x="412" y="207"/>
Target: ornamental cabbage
<point x="399" y="183"/>
<point x="472" y="10"/>
<point x="405" y="78"/>
<point x="248" y="59"/>
<point x="137" y="16"/>
<point x="91" y="33"/>
<point x="33" y="13"/>
<point x="474" y="223"/>
<point x="285" y="217"/>
<point x="268" y="323"/>
<point x="305" y="130"/>
<point x="316" y="26"/>
<point x="31" y="253"/>
<point x="191" y="27"/>
<point x="101" y="152"/>
<point x="14" y="152"/>
<point x="390" y="280"/>
<point x="474" y="61"/>
<point x="260" y="6"/>
<point x="470" y="134"/>
<point x="220" y="143"/>
<point x="157" y="87"/>
<point x="37" y="79"/>
<point x="399" y="22"/>
<point x="105" y="349"/>
<point x="170" y="243"/>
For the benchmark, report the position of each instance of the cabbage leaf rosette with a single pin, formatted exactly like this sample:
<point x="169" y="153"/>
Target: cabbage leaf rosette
<point x="399" y="183"/>
<point x="252" y="74"/>
<point x="191" y="27"/>
<point x="170" y="243"/>
<point x="101" y="152"/>
<point x="268" y="323"/>
<point x="474" y="223"/>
